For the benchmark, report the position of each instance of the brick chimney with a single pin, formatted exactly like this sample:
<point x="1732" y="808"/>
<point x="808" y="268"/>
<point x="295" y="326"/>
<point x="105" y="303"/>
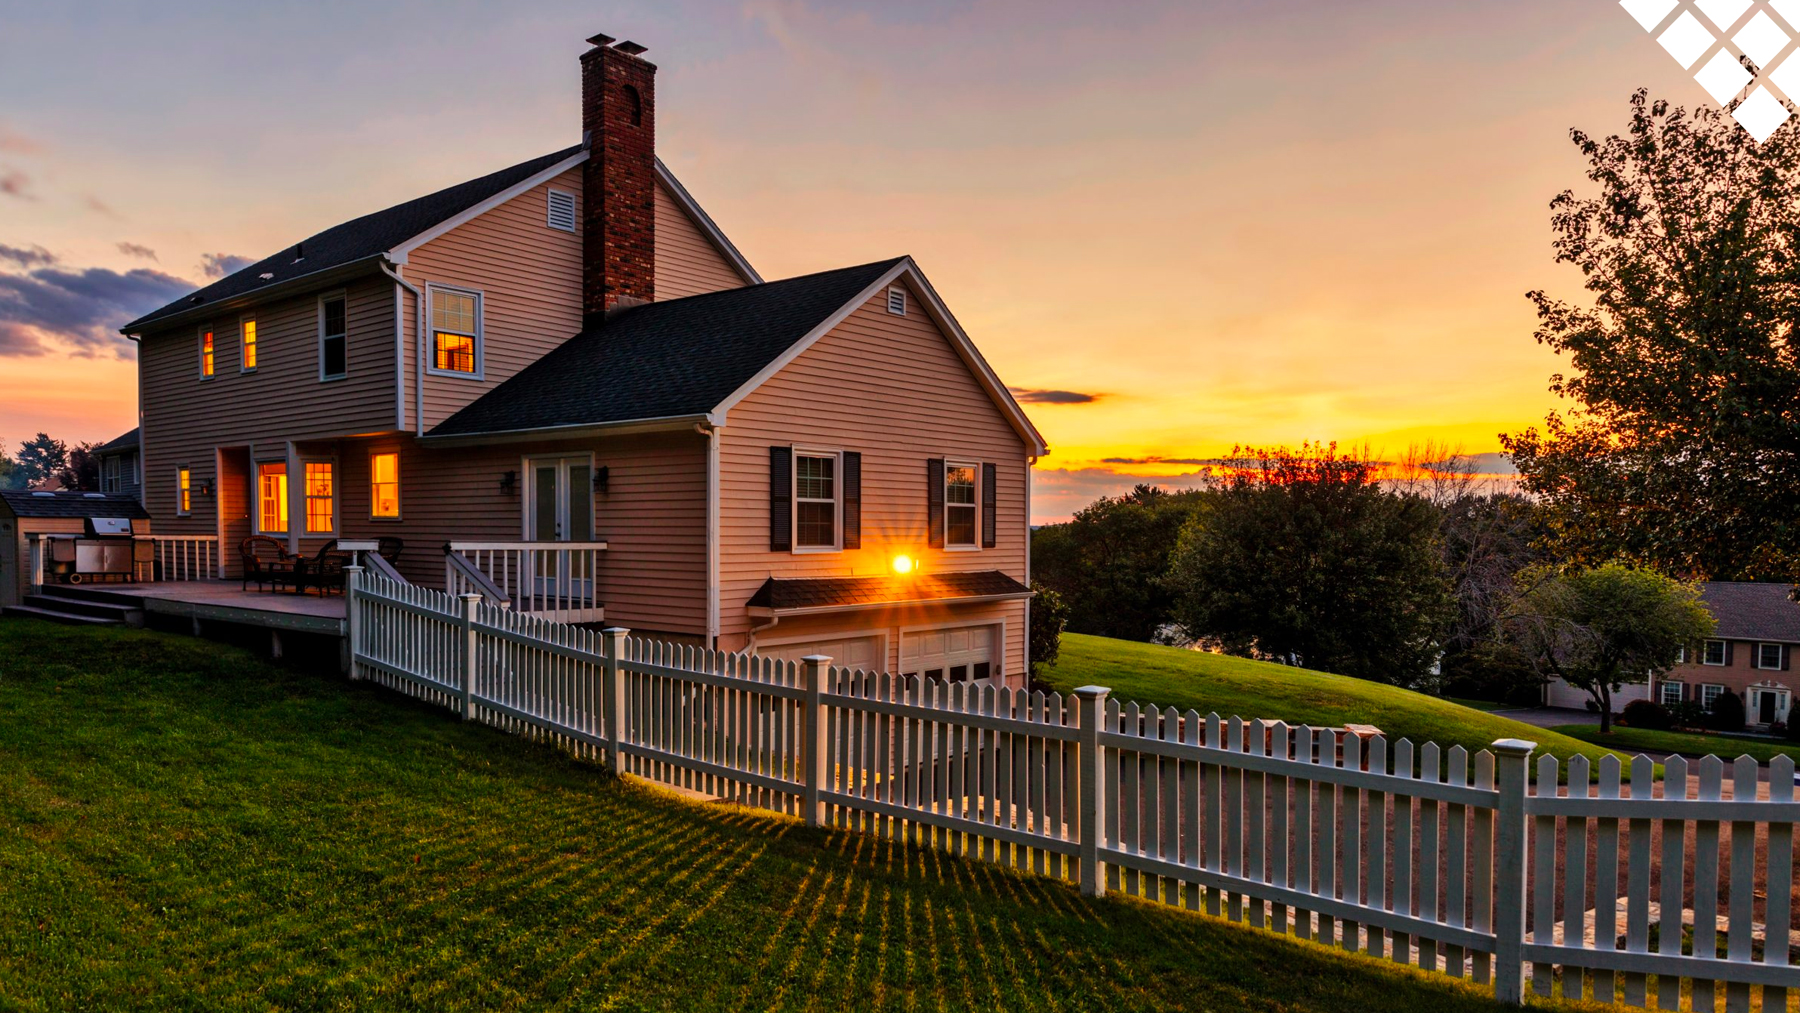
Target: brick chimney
<point x="618" y="229"/>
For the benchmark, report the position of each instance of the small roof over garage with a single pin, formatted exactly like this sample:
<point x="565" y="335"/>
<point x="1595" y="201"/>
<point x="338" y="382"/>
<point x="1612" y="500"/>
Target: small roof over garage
<point x="835" y="594"/>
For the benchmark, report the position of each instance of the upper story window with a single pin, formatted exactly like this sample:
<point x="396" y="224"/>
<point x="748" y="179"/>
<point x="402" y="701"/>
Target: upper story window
<point x="384" y="484"/>
<point x="815" y="500"/>
<point x="271" y="498"/>
<point x="456" y="332"/>
<point x="321" y="497"/>
<point x="109" y="475"/>
<point x="562" y="211"/>
<point x="206" y="353"/>
<point x="1768" y="655"/>
<point x="333" y="339"/>
<point x="959" y="506"/>
<point x="184" y="491"/>
<point x="247" y="332"/>
<point x="1713" y="653"/>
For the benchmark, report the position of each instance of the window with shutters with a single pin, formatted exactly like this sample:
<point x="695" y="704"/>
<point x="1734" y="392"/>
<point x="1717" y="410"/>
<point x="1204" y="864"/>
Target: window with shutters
<point x="816" y="492"/>
<point x="1713" y="653"/>
<point x="1768" y="656"/>
<point x="961" y="512"/>
<point x="1709" y="694"/>
<point x="455" y="332"/>
<point x="1668" y="693"/>
<point x="562" y="211"/>
<point x="333" y="337"/>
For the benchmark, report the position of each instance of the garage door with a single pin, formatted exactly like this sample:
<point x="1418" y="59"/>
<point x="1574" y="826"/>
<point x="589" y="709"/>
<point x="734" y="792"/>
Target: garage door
<point x="845" y="652"/>
<point x="961" y="654"/>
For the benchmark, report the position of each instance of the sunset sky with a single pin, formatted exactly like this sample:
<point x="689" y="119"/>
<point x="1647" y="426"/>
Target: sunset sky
<point x="1225" y="223"/>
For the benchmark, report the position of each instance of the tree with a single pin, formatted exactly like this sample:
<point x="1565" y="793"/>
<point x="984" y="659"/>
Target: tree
<point x="1683" y="448"/>
<point x="41" y="459"/>
<point x="81" y="469"/>
<point x="1597" y="628"/>
<point x="9" y="472"/>
<point x="1049" y="616"/>
<point x="1304" y="557"/>
<point x="1108" y="563"/>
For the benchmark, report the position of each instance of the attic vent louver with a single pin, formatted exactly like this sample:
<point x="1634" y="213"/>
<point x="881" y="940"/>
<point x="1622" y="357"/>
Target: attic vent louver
<point x="897" y="301"/>
<point x="562" y="211"/>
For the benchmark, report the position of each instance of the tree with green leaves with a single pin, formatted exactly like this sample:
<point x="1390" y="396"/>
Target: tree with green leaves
<point x="1302" y="556"/>
<point x="40" y="459"/>
<point x="1597" y="628"/>
<point x="1049" y="617"/>
<point x="1108" y="563"/>
<point x="1682" y="448"/>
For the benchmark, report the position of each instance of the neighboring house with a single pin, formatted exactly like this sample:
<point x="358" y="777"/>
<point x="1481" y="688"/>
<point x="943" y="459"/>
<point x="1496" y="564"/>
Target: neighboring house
<point x="121" y="469"/>
<point x="1758" y="628"/>
<point x="570" y="352"/>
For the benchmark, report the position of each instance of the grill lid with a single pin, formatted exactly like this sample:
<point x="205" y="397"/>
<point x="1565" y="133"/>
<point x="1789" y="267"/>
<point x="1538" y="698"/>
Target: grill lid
<point x="110" y="525"/>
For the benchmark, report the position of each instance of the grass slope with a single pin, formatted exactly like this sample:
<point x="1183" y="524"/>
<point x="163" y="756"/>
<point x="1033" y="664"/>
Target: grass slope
<point x="183" y="826"/>
<point x="1646" y="740"/>
<point x="1172" y="677"/>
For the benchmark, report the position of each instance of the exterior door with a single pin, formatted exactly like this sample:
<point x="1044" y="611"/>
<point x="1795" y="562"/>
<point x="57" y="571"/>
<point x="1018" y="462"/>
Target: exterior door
<point x="1767" y="712"/>
<point x="561" y="509"/>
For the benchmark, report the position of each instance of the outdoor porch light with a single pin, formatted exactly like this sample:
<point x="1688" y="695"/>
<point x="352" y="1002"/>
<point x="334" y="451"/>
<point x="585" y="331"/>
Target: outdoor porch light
<point x="508" y="479"/>
<point x="903" y="564"/>
<point x="601" y="475"/>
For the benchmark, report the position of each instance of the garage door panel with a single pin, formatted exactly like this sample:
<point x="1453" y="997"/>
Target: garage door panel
<point x="845" y="652"/>
<point x="963" y="654"/>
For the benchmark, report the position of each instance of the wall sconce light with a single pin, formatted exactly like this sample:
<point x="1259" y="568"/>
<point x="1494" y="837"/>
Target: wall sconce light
<point x="509" y="480"/>
<point x="206" y="488"/>
<point x="602" y="475"/>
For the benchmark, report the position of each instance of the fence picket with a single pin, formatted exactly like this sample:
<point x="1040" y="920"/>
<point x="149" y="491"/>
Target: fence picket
<point x="1637" y="878"/>
<point x="1375" y="867"/>
<point x="1741" y="899"/>
<point x="1575" y="880"/>
<point x="1778" y="946"/>
<point x="1456" y="858"/>
<point x="1280" y="747"/>
<point x="1543" y="875"/>
<point x="1706" y="882"/>
<point x="1403" y="849"/>
<point x="1430" y="853"/>
<point x="1606" y="880"/>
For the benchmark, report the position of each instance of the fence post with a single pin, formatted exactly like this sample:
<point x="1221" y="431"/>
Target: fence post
<point x="612" y="691"/>
<point x="1514" y="756"/>
<point x="352" y="621"/>
<point x="814" y="748"/>
<point x="471" y="654"/>
<point x="1093" y="788"/>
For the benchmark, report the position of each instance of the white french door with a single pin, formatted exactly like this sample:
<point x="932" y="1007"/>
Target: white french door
<point x="560" y="508"/>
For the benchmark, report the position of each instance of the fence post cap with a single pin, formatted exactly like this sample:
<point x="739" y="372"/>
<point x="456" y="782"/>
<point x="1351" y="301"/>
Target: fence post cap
<point x="353" y="569"/>
<point x="817" y="659"/>
<point x="1092" y="692"/>
<point x="471" y="596"/>
<point x="1514" y="747"/>
<point x="615" y="631"/>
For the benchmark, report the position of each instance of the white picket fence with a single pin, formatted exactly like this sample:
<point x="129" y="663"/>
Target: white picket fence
<point x="1439" y="859"/>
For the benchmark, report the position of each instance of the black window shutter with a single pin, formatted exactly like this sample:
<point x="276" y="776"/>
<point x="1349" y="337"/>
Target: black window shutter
<point x="781" y="499"/>
<point x="1784" y="657"/>
<point x="1728" y="646"/>
<point x="934" y="499"/>
<point x="990" y="505"/>
<point x="852" y="500"/>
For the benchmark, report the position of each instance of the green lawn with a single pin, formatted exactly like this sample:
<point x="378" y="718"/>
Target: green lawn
<point x="184" y="826"/>
<point x="1173" y="677"/>
<point x="1725" y="747"/>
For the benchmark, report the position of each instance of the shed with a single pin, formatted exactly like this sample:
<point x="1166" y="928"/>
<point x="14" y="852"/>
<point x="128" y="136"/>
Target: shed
<point x="29" y="519"/>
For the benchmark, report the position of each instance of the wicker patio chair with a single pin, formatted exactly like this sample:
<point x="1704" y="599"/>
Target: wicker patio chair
<point x="267" y="562"/>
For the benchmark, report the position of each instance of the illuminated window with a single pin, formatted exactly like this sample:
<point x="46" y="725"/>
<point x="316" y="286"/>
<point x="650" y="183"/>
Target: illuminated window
<point x="206" y="352"/>
<point x="456" y="331"/>
<point x="321" y="499"/>
<point x="248" y="330"/>
<point x="184" y="491"/>
<point x="959" y="506"/>
<point x="815" y="501"/>
<point x="272" y="498"/>
<point x="384" y="485"/>
<point x="333" y="342"/>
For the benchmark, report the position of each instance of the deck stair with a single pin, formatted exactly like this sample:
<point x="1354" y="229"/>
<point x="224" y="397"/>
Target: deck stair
<point x="80" y="606"/>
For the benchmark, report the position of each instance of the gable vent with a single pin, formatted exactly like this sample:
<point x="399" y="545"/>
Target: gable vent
<point x="562" y="211"/>
<point x="897" y="301"/>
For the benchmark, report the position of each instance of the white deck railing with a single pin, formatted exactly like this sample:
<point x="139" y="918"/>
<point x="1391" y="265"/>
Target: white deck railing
<point x="555" y="580"/>
<point x="183" y="557"/>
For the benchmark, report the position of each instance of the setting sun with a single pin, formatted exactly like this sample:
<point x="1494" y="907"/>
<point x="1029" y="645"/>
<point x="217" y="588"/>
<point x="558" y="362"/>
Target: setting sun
<point x="903" y="564"/>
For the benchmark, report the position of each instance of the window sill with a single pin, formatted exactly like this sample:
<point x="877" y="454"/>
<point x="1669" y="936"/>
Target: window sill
<point x="962" y="548"/>
<point x="453" y="374"/>
<point x="334" y="379"/>
<point x="815" y="550"/>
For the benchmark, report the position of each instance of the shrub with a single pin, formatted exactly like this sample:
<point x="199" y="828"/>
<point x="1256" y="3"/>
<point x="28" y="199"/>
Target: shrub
<point x="1727" y="713"/>
<point x="1778" y="728"/>
<point x="1647" y="714"/>
<point x="1687" y="715"/>
<point x="1793" y="729"/>
<point x="1049" y="615"/>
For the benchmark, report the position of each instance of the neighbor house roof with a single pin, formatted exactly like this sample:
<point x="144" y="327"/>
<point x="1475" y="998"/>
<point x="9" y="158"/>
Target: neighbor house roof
<point x="72" y="504"/>
<point x="825" y="594"/>
<point x="1753" y="611"/>
<point x="127" y="441"/>
<point x="662" y="360"/>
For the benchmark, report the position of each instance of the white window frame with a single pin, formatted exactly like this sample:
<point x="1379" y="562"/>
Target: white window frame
<point x="344" y="297"/>
<point x="974" y="466"/>
<point x="399" y="487"/>
<point x="1780" y="653"/>
<point x="109" y="474"/>
<point x="136" y="462"/>
<point x="837" y="493"/>
<point x="550" y="193"/>
<point x="1662" y="692"/>
<point x="243" y="346"/>
<point x="287" y="499"/>
<point x="1710" y="692"/>
<point x="431" y="332"/>
<point x="200" y="351"/>
<point x="182" y="510"/>
<point x="337" y="497"/>
<point x="1706" y="654"/>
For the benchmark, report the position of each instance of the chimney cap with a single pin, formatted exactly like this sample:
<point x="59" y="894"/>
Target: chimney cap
<point x="631" y="48"/>
<point x="600" y="40"/>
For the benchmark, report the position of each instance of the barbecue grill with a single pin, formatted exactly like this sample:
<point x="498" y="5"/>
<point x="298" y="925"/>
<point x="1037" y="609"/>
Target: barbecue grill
<point x="105" y="550"/>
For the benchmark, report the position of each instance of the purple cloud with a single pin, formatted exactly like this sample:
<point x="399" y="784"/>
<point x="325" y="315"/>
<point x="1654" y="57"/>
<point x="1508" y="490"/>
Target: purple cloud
<point x="14" y="183"/>
<point x="79" y="309"/>
<point x="137" y="250"/>
<point x="36" y="256"/>
<point x="218" y="265"/>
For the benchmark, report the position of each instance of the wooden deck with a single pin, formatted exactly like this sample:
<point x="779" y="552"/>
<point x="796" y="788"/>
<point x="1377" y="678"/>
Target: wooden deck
<point x="225" y="601"/>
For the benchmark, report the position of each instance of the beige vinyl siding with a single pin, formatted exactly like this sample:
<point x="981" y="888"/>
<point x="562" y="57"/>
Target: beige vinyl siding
<point x="687" y="263"/>
<point x="892" y="388"/>
<point x="529" y="276"/>
<point x="187" y="418"/>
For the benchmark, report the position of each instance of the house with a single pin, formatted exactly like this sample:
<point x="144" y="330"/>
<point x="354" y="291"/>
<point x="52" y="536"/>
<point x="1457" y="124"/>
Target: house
<point x="1758" y="627"/>
<point x="563" y="387"/>
<point x="120" y="470"/>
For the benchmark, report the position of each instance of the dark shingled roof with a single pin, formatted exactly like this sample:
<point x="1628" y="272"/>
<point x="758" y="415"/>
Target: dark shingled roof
<point x="1754" y="611"/>
<point x="780" y="594"/>
<point x="128" y="441"/>
<point x="361" y="238"/>
<point x="72" y="504"/>
<point x="664" y="359"/>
